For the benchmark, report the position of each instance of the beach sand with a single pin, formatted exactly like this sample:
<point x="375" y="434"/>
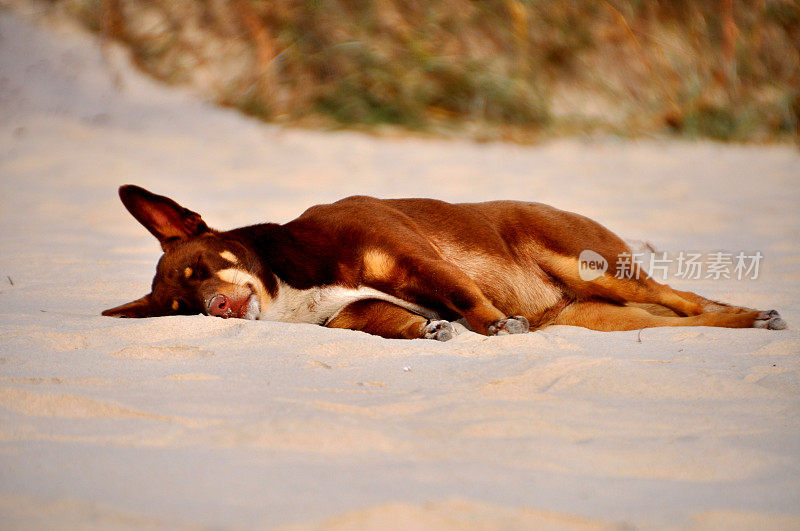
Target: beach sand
<point x="199" y="421"/>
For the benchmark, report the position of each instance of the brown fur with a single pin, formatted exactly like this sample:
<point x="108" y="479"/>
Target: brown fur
<point x="380" y="318"/>
<point x="480" y="261"/>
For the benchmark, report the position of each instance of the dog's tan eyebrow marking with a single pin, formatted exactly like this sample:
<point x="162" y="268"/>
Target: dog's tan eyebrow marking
<point x="229" y="256"/>
<point x="175" y="305"/>
<point x="187" y="272"/>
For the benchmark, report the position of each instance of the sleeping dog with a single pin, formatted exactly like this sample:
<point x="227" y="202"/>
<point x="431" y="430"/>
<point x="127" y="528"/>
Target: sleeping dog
<point x="408" y="268"/>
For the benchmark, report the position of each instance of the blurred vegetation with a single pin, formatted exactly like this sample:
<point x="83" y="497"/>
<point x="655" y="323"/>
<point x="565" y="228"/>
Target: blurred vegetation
<point x="509" y="69"/>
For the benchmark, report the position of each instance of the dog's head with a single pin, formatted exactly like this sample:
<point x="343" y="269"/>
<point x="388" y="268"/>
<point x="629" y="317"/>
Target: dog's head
<point x="201" y="271"/>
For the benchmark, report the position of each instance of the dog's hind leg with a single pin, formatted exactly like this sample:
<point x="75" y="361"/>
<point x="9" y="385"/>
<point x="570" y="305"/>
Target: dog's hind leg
<point x="605" y="316"/>
<point x="646" y="291"/>
<point x="709" y="305"/>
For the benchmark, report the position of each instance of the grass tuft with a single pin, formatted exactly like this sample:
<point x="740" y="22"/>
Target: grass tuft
<point x="722" y="69"/>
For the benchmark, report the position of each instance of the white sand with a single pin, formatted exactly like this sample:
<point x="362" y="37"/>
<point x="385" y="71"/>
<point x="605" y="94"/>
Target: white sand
<point x="191" y="421"/>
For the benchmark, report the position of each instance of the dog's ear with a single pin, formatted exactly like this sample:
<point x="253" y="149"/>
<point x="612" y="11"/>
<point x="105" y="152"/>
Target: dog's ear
<point x="163" y="217"/>
<point x="139" y="308"/>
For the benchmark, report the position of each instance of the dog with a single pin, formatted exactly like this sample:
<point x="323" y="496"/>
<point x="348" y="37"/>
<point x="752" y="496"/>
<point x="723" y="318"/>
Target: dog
<point x="409" y="268"/>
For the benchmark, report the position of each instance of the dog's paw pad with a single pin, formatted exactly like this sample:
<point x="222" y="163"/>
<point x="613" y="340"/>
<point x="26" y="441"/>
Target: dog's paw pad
<point x="771" y="320"/>
<point x="439" y="330"/>
<point x="516" y="324"/>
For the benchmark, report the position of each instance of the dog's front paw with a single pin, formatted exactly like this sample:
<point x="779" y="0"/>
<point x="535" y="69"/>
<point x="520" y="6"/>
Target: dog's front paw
<point x="770" y="320"/>
<point x="516" y="324"/>
<point x="439" y="330"/>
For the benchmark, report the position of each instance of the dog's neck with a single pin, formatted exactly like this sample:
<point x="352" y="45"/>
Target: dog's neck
<point x="292" y="254"/>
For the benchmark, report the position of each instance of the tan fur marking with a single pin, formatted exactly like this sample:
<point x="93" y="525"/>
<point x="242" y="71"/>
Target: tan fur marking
<point x="229" y="256"/>
<point x="565" y="268"/>
<point x="377" y="265"/>
<point x="175" y="305"/>
<point x="187" y="272"/>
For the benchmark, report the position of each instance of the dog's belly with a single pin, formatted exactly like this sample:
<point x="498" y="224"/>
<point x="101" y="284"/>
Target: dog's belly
<point x="319" y="305"/>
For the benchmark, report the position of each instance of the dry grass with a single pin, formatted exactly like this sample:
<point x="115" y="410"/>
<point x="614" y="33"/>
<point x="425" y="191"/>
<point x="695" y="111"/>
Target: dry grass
<point x="723" y="69"/>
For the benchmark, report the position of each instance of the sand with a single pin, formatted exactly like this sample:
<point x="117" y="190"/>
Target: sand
<point x="198" y="421"/>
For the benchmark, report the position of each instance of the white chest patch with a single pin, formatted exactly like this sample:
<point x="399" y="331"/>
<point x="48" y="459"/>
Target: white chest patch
<point x="321" y="304"/>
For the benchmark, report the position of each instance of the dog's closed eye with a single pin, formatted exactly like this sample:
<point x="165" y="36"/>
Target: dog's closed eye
<point x="196" y="271"/>
<point x="180" y="306"/>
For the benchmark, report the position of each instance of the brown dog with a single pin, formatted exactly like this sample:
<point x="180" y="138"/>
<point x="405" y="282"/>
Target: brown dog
<point x="406" y="268"/>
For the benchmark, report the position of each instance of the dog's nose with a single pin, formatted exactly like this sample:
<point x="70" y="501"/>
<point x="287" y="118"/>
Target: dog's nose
<point x="220" y="306"/>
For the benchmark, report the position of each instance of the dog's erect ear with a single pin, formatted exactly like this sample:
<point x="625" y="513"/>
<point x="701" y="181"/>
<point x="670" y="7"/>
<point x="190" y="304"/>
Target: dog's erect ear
<point x="138" y="308"/>
<point x="163" y="217"/>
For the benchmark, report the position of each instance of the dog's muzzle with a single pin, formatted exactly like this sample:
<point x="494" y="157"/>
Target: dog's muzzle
<point x="222" y="306"/>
